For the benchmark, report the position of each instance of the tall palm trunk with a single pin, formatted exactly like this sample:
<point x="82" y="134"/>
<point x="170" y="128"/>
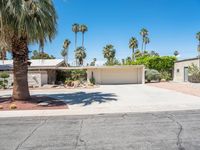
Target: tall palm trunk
<point x="20" y="68"/>
<point x="76" y="46"/>
<point x="142" y="45"/>
<point x="83" y="39"/>
<point x="66" y="58"/>
<point x="133" y="55"/>
<point x="198" y="49"/>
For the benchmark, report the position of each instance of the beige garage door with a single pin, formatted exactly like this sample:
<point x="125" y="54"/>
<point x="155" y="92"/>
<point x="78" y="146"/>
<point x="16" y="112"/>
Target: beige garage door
<point x="120" y="76"/>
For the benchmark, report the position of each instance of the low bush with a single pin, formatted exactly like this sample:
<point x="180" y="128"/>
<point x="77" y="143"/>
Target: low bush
<point x="152" y="74"/>
<point x="194" y="74"/>
<point x="71" y="75"/>
<point x="13" y="106"/>
<point x="3" y="80"/>
<point x="166" y="75"/>
<point x="92" y="80"/>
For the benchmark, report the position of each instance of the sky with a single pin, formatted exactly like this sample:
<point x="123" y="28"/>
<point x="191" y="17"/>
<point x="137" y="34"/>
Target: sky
<point x="172" y="25"/>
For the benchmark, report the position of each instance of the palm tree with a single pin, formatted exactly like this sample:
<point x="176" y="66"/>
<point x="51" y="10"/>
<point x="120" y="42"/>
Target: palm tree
<point x="80" y="54"/>
<point x="146" y="41"/>
<point x="83" y="28"/>
<point x="133" y="43"/>
<point x="109" y="53"/>
<point x="143" y="33"/>
<point x="176" y="53"/>
<point x="75" y="29"/>
<point x="28" y="21"/>
<point x="198" y="48"/>
<point x="64" y="52"/>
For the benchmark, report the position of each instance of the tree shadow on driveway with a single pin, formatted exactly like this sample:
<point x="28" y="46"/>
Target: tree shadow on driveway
<point x="85" y="98"/>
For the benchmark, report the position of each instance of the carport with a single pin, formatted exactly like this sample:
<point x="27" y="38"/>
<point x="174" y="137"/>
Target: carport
<point x="117" y="74"/>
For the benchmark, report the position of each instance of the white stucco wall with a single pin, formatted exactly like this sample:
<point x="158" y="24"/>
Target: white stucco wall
<point x="35" y="78"/>
<point x="179" y="69"/>
<point x="120" y="75"/>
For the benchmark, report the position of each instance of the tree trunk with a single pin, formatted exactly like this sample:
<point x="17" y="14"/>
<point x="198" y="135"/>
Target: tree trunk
<point x="142" y="46"/>
<point x="83" y="39"/>
<point x="76" y="46"/>
<point x="20" y="68"/>
<point x="133" y="56"/>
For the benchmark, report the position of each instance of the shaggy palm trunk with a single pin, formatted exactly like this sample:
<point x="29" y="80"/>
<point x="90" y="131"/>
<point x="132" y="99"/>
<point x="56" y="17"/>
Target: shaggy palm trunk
<point x="20" y="68"/>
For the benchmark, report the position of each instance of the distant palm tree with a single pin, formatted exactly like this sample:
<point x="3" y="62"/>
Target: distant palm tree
<point x="64" y="52"/>
<point x="198" y="48"/>
<point x="109" y="53"/>
<point x="93" y="62"/>
<point x="80" y="54"/>
<point x="75" y="29"/>
<point x="176" y="53"/>
<point x="133" y="44"/>
<point x="143" y="33"/>
<point x="146" y="41"/>
<point x="83" y="28"/>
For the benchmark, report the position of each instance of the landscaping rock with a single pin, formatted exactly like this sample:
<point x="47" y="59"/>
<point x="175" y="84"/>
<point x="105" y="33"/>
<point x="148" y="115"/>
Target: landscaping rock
<point x="163" y="80"/>
<point x="43" y="104"/>
<point x="76" y="84"/>
<point x="48" y="86"/>
<point x="13" y="106"/>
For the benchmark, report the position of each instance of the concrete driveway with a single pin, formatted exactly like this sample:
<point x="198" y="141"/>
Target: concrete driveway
<point x="115" y="99"/>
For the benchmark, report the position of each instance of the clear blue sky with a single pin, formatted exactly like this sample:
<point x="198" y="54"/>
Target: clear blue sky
<point x="172" y="25"/>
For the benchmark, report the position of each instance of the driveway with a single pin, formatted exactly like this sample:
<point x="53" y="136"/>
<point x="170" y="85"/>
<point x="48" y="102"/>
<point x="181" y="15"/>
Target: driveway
<point x="130" y="131"/>
<point x="115" y="99"/>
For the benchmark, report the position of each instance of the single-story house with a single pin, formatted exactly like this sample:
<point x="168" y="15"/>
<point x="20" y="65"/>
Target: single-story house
<point x="181" y="69"/>
<point x="133" y="74"/>
<point x="40" y="72"/>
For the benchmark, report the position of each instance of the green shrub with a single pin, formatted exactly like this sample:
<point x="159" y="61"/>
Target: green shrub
<point x="73" y="75"/>
<point x="152" y="74"/>
<point x="166" y="75"/>
<point x="92" y="80"/>
<point x="3" y="80"/>
<point x="194" y="74"/>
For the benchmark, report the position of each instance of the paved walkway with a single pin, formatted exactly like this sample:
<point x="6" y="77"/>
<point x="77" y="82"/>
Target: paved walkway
<point x="112" y="99"/>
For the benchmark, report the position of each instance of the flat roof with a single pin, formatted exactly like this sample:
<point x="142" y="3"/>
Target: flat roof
<point x="188" y="59"/>
<point x="100" y="67"/>
<point x="36" y="63"/>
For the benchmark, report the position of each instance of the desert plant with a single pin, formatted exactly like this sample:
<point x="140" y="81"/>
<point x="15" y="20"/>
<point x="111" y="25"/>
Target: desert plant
<point x="92" y="80"/>
<point x="152" y="74"/>
<point x="4" y="76"/>
<point x="194" y="73"/>
<point x="166" y="75"/>
<point x="13" y="106"/>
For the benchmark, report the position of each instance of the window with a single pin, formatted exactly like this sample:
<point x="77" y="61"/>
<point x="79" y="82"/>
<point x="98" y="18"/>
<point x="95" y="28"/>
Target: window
<point x="177" y="70"/>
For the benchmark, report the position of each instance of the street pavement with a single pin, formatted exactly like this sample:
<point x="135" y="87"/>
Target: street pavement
<point x="173" y="130"/>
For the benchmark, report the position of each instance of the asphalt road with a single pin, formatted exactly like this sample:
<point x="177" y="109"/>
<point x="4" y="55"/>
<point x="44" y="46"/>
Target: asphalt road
<point x="136" y="131"/>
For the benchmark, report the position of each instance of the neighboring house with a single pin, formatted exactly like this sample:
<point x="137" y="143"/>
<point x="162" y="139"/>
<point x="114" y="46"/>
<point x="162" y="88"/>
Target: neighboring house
<point x="40" y="72"/>
<point x="181" y="69"/>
